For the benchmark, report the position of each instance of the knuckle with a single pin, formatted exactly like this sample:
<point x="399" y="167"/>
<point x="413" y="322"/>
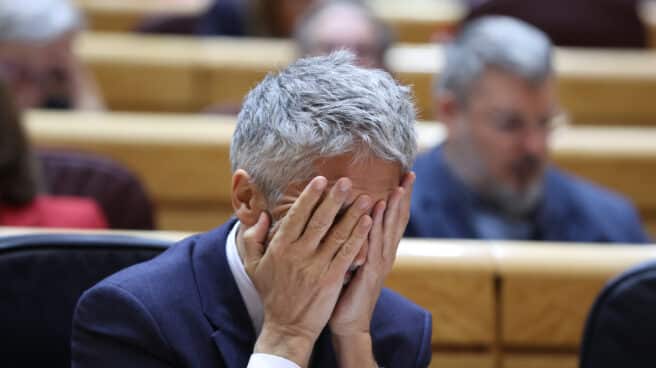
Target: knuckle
<point x="316" y="225"/>
<point x="339" y="236"/>
<point x="347" y="249"/>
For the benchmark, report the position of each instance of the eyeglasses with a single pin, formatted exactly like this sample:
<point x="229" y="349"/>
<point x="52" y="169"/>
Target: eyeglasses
<point x="16" y="72"/>
<point x="514" y="124"/>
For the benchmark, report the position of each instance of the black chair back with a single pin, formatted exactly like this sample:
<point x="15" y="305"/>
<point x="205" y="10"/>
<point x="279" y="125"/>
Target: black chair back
<point x="42" y="278"/>
<point x="621" y="328"/>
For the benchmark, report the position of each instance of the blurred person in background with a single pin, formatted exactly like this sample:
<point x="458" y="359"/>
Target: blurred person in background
<point x="37" y="59"/>
<point x="580" y="23"/>
<point x="20" y="201"/>
<point x="265" y="18"/>
<point x="492" y="177"/>
<point x="344" y="24"/>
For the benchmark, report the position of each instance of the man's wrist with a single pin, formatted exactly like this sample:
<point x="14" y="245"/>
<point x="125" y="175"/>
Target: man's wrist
<point x="354" y="350"/>
<point x="286" y="343"/>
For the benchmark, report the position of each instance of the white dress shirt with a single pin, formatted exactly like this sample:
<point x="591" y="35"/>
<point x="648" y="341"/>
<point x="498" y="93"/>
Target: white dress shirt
<point x="253" y="304"/>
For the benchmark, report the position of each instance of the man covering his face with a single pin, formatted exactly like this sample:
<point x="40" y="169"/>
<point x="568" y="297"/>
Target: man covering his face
<point x="321" y="181"/>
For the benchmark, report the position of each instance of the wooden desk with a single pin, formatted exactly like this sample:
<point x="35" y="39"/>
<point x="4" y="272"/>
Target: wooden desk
<point x="464" y="317"/>
<point x="177" y="74"/>
<point x="545" y="294"/>
<point x="495" y="304"/>
<point x="125" y="15"/>
<point x="595" y="86"/>
<point x="411" y="20"/>
<point x="183" y="160"/>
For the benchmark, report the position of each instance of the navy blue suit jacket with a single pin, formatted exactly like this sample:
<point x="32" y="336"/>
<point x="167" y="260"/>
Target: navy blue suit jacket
<point x="183" y="309"/>
<point x="572" y="210"/>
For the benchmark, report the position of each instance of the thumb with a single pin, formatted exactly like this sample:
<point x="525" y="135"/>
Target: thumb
<point x="254" y="238"/>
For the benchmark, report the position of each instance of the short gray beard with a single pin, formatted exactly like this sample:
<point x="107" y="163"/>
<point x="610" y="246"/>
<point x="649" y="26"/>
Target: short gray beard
<point x="467" y="165"/>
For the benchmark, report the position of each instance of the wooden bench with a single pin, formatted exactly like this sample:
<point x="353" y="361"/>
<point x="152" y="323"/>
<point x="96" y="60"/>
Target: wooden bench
<point x="496" y="304"/>
<point x="412" y="21"/>
<point x="178" y="74"/>
<point x="545" y="293"/>
<point x="183" y="160"/>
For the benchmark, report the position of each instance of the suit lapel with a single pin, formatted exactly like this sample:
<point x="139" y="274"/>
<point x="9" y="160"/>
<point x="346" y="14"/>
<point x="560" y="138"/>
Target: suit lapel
<point x="224" y="308"/>
<point x="221" y="301"/>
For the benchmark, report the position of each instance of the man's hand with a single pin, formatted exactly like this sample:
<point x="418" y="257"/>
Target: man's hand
<point x="300" y="273"/>
<point x="351" y="319"/>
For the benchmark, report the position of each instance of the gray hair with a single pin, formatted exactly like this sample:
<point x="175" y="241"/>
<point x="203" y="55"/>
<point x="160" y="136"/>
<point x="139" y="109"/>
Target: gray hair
<point x="321" y="107"/>
<point x="37" y="20"/>
<point x="506" y="43"/>
<point x="303" y="30"/>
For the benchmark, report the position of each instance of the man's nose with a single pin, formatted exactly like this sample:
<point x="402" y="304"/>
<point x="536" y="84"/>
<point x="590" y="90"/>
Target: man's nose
<point x="535" y="142"/>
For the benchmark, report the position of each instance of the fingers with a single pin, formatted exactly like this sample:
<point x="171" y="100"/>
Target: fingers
<point x="376" y="233"/>
<point x="390" y="220"/>
<point x="408" y="186"/>
<point x="294" y="222"/>
<point x="340" y="232"/>
<point x="324" y="216"/>
<point x="254" y="239"/>
<point x="397" y="216"/>
<point x="346" y="254"/>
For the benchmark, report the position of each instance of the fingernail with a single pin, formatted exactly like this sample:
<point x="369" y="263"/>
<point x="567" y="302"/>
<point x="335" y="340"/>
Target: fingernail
<point x="381" y="208"/>
<point x="364" y="203"/>
<point x="319" y="183"/>
<point x="344" y="185"/>
<point x="366" y="222"/>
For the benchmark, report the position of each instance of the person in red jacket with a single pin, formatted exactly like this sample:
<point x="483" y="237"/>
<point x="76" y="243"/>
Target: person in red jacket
<point x="20" y="201"/>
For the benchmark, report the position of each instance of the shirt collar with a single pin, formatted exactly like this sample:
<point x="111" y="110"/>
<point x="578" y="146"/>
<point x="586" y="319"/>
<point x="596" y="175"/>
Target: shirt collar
<point x="244" y="284"/>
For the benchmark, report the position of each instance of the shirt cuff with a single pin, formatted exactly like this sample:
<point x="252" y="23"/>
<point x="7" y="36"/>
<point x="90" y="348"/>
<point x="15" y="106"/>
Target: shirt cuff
<point x="259" y="360"/>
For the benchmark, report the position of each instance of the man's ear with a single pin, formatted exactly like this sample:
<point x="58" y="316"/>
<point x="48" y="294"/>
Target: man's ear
<point x="247" y="200"/>
<point x="447" y="109"/>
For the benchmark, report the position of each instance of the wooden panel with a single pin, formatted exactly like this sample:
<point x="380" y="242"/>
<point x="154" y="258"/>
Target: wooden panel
<point x="547" y="291"/>
<point x="540" y="361"/>
<point x="540" y="282"/>
<point x="183" y="159"/>
<point x="551" y="311"/>
<point x="192" y="217"/>
<point x="230" y="71"/>
<point x="462" y="360"/>
<point x="125" y="15"/>
<point x="411" y="20"/>
<point x="160" y="73"/>
<point x="610" y="80"/>
<point x="140" y="74"/>
<point x="460" y="296"/>
<point x="419" y="20"/>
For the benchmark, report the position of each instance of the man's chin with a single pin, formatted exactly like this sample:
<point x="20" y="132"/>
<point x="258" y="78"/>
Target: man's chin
<point x="517" y="198"/>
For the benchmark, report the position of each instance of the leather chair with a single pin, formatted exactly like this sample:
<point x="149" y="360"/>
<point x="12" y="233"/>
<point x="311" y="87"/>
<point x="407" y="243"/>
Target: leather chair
<point x="42" y="278"/>
<point x="118" y="191"/>
<point x="621" y="328"/>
